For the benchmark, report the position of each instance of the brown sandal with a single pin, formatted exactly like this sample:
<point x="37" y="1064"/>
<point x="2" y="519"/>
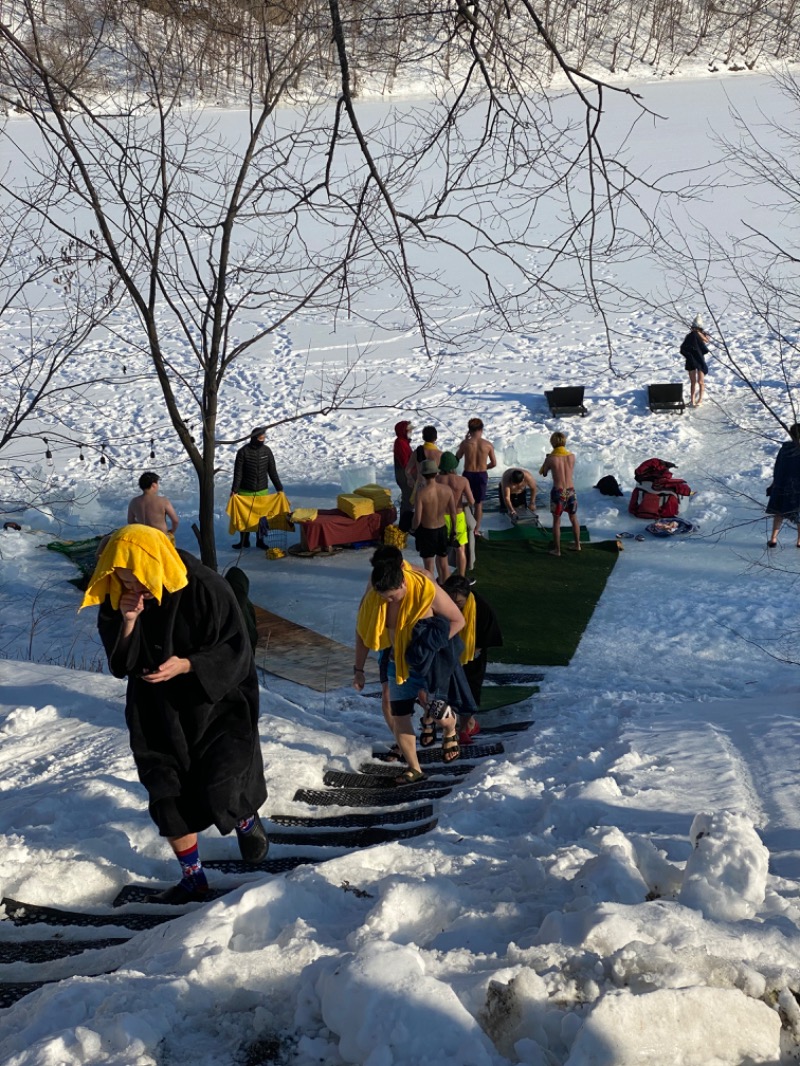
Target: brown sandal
<point x="410" y="777"/>
<point x="451" y="749"/>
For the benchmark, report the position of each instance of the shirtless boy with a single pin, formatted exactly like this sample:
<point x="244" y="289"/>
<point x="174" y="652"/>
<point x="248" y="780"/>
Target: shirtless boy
<point x="514" y="487"/>
<point x="434" y="501"/>
<point x="150" y="509"/>
<point x="479" y="458"/>
<point x="462" y="494"/>
<point x="561" y="464"/>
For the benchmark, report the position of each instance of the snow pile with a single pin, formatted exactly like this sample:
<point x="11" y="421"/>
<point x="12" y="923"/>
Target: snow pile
<point x="726" y="874"/>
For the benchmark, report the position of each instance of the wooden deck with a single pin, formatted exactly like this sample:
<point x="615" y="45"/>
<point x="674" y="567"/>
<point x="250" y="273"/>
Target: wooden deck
<point x="297" y="654"/>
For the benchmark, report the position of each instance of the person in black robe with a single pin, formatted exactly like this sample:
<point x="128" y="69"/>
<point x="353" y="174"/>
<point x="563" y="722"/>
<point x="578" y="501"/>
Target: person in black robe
<point x="173" y="627"/>
<point x="784" y="492"/>
<point x="487" y="635"/>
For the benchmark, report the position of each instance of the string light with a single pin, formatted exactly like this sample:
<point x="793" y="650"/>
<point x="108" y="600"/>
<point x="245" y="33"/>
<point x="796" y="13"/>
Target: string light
<point x="102" y="455"/>
<point x="152" y="448"/>
<point x="81" y="456"/>
<point x="48" y="454"/>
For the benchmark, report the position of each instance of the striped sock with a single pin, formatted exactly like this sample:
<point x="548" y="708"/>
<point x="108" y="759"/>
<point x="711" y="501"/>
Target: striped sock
<point x="193" y="874"/>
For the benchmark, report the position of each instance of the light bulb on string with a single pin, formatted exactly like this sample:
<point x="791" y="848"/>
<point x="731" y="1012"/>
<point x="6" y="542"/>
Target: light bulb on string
<point x="102" y="455"/>
<point x="81" y="456"/>
<point x="152" y="448"/>
<point x="48" y="454"/>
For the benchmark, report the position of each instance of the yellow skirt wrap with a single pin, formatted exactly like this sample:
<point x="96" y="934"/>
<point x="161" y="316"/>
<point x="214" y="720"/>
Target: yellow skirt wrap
<point x="371" y="623"/>
<point x="244" y="512"/>
<point x="467" y="634"/>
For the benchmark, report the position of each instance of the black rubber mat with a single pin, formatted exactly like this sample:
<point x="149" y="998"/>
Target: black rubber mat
<point x="342" y="779"/>
<point x="370" y="797"/>
<point x="144" y="894"/>
<point x="47" y="950"/>
<point x="267" y="866"/>
<point x="427" y="756"/>
<point x="9" y="994"/>
<point x="31" y="914"/>
<point x="354" y="838"/>
<point x="506" y="727"/>
<point x="517" y="677"/>
<point x="356" y="821"/>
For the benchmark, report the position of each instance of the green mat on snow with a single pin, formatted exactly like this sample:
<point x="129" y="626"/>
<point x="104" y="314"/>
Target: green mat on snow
<point x="83" y="554"/>
<point x="543" y="602"/>
<point x="495" y="696"/>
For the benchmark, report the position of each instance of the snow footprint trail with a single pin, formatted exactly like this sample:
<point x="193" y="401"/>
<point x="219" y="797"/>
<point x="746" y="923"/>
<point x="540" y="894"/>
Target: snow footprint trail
<point x="723" y="755"/>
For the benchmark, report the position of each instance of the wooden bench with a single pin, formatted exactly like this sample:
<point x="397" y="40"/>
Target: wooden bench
<point x="567" y="400"/>
<point x="666" y="397"/>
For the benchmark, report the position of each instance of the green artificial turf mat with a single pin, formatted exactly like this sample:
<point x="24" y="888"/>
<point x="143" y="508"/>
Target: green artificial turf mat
<point x="83" y="553"/>
<point x="543" y="602"/>
<point x="494" y="696"/>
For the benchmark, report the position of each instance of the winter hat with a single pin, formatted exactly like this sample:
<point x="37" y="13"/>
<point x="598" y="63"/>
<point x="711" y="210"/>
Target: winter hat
<point x="259" y="431"/>
<point x="447" y="463"/>
<point x="428" y="468"/>
<point x="698" y="322"/>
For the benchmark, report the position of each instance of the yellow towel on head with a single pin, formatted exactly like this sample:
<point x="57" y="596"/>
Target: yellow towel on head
<point x="467" y="634"/>
<point x="151" y="556"/>
<point x="371" y="623"/>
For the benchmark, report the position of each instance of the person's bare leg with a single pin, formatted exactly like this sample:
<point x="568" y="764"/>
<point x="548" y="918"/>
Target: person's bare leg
<point x="407" y="739"/>
<point x="179" y="844"/>
<point x="461" y="560"/>
<point x="576" y="529"/>
<point x="556" y="535"/>
<point x="430" y="566"/>
<point x="701" y="381"/>
<point x="777" y="522"/>
<point x="478" y="518"/>
<point x="693" y="383"/>
<point x="386" y="707"/>
<point x="443" y="568"/>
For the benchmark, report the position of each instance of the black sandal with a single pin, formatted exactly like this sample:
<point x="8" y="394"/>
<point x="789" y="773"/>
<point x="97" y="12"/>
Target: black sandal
<point x="427" y="736"/>
<point x="394" y="754"/>
<point x="409" y="777"/>
<point x="451" y="749"/>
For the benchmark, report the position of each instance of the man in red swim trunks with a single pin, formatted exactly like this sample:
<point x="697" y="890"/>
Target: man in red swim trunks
<point x="561" y="464"/>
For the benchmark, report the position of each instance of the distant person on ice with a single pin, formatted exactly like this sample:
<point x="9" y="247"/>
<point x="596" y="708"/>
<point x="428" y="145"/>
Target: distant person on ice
<point x="784" y="492"/>
<point x="694" y="351"/>
<point x="151" y="509"/>
<point x="174" y="629"/>
<point x="253" y="469"/>
<point x="561" y="465"/>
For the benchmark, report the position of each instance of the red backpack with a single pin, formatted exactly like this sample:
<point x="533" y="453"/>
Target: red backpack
<point x="658" y="493"/>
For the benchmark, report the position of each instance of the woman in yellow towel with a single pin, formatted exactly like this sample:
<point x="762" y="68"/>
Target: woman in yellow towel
<point x="174" y="629"/>
<point x="397" y="597"/>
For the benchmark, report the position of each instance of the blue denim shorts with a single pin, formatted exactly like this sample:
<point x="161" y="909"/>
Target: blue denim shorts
<point x="401" y="697"/>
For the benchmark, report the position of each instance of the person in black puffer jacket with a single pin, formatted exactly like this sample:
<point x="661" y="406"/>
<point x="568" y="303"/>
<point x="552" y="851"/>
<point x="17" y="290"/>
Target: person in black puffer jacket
<point x="253" y="469"/>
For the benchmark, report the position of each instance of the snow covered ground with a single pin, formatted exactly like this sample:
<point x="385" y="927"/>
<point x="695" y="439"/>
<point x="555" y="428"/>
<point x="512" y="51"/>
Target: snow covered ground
<point x="621" y="887"/>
